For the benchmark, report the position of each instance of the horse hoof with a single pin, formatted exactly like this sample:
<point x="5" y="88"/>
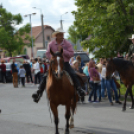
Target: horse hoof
<point x="71" y="126"/>
<point x="123" y="109"/>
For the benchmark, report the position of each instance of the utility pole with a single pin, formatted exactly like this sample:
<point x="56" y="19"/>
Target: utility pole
<point x="1" y="6"/>
<point x="61" y="25"/>
<point x="42" y="23"/>
<point x="32" y="53"/>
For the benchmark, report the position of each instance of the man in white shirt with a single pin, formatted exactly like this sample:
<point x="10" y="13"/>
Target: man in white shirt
<point x="36" y="68"/>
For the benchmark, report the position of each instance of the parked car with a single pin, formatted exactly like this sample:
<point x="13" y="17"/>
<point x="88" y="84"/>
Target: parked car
<point x="83" y="55"/>
<point x="8" y="71"/>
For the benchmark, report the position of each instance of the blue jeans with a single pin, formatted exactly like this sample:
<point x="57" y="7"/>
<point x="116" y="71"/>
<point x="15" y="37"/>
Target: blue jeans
<point x="99" y="91"/>
<point x="93" y="91"/>
<point x="103" y="87"/>
<point x="110" y="84"/>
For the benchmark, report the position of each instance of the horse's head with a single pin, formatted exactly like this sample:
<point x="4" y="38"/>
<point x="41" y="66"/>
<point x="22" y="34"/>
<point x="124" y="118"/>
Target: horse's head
<point x="57" y="63"/>
<point x="110" y="68"/>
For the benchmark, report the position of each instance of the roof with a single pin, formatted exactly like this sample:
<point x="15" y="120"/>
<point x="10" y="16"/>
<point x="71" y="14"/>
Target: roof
<point x="37" y="30"/>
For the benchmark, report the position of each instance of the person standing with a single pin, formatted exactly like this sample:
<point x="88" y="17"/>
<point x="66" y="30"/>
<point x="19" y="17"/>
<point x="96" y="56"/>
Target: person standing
<point x="14" y="74"/>
<point x="22" y="73"/>
<point x="99" y="65"/>
<point x="27" y="68"/>
<point x="103" y="78"/>
<point x="110" y="84"/>
<point x="94" y="78"/>
<point x="3" y="72"/>
<point x="36" y="69"/>
<point x="45" y="66"/>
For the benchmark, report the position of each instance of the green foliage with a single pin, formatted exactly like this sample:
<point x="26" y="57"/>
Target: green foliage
<point x="109" y="22"/>
<point x="72" y="34"/>
<point x="11" y="39"/>
<point x="75" y="47"/>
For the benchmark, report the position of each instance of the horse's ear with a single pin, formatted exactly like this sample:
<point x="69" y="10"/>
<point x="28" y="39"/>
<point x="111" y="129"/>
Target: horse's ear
<point x="61" y="51"/>
<point x="52" y="53"/>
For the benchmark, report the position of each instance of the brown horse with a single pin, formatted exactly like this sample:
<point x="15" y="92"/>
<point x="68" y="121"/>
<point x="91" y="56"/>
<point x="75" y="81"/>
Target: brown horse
<point x="59" y="90"/>
<point x="126" y="71"/>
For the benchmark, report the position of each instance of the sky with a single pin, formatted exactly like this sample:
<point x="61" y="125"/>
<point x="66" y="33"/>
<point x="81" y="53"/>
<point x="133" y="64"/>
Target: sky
<point x="51" y="9"/>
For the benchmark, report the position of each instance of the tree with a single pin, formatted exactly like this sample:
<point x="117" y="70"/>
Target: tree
<point x="109" y="22"/>
<point x="72" y="34"/>
<point x="11" y="39"/>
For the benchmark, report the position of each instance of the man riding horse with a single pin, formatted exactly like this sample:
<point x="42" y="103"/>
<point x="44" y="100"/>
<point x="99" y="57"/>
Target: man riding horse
<point x="57" y="45"/>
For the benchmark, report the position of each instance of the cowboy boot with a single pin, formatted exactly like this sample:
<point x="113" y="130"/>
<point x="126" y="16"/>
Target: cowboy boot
<point x="38" y="94"/>
<point x="80" y="92"/>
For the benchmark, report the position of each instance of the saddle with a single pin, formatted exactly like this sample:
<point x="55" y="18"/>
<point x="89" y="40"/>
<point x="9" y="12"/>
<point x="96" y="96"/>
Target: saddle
<point x="82" y="80"/>
<point x="69" y="77"/>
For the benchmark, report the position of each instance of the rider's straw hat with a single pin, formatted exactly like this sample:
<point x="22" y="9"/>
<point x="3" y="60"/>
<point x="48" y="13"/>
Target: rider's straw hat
<point x="59" y="30"/>
<point x="132" y="37"/>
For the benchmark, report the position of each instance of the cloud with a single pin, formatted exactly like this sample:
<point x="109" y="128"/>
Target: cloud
<point x="52" y="11"/>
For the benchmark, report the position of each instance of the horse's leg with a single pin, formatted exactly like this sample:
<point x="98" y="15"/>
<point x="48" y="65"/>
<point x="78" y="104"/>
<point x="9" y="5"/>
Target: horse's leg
<point x="71" y="120"/>
<point x="131" y="94"/>
<point x="55" y="113"/>
<point x="124" y="105"/>
<point x="67" y="116"/>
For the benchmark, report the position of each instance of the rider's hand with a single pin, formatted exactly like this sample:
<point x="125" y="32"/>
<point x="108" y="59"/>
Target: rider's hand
<point x="59" y="48"/>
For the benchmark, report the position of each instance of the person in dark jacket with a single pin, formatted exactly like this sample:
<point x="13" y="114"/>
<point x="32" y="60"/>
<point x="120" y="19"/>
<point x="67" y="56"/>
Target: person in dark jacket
<point x="27" y="68"/>
<point x="3" y="72"/>
<point x="14" y="74"/>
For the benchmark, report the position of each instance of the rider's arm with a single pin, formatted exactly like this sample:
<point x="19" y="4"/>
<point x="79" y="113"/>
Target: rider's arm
<point x="68" y="50"/>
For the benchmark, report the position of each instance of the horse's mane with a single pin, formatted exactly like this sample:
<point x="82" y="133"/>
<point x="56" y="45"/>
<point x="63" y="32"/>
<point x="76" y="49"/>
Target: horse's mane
<point x="122" y="63"/>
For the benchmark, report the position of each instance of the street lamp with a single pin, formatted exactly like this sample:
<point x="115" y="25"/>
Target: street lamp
<point x="32" y="54"/>
<point x="42" y="23"/>
<point x="62" y="20"/>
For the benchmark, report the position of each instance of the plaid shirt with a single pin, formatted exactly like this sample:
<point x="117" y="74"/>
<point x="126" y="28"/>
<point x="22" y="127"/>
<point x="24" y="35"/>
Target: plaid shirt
<point x="68" y="51"/>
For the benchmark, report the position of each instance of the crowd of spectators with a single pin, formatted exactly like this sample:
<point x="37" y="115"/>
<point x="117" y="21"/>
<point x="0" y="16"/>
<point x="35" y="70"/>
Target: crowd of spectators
<point x="93" y="75"/>
<point x="26" y="72"/>
<point x="96" y="79"/>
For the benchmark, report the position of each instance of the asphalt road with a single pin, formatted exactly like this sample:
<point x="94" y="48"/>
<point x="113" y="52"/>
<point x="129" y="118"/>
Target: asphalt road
<point x="20" y="115"/>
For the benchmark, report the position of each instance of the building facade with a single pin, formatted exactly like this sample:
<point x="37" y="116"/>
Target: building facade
<point x="38" y="39"/>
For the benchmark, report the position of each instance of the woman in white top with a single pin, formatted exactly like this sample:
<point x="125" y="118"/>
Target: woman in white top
<point x="103" y="79"/>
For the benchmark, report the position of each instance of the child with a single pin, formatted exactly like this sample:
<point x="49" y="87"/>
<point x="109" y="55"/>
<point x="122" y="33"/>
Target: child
<point x="22" y="73"/>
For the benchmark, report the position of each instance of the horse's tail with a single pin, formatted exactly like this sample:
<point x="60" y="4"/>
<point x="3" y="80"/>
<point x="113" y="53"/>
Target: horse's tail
<point x="74" y="102"/>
